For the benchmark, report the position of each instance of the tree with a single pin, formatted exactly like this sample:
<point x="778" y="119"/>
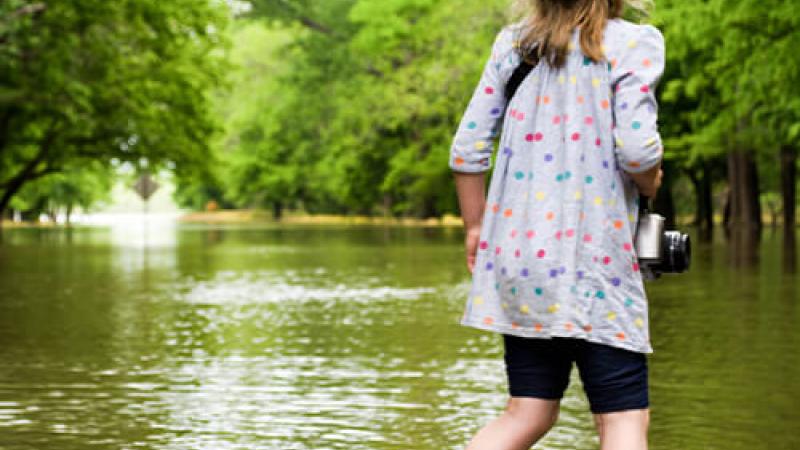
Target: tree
<point x="92" y="80"/>
<point x="74" y="186"/>
<point x="739" y="65"/>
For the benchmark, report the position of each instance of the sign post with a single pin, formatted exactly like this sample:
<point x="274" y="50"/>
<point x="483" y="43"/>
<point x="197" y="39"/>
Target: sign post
<point x="145" y="186"/>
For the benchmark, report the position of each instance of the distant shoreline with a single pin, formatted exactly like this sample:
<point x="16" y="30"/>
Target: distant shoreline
<point x="245" y="216"/>
<point x="253" y="217"/>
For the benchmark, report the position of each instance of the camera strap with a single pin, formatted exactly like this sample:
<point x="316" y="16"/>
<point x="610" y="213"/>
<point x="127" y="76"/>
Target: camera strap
<point x="520" y="73"/>
<point x="644" y="205"/>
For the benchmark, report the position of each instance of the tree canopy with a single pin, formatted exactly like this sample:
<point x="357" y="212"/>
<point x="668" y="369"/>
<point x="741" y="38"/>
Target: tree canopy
<point x="92" y="80"/>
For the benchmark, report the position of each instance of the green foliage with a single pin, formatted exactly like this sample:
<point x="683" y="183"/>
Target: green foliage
<point x="74" y="186"/>
<point x="732" y="70"/>
<point x="93" y="80"/>
<point x="349" y="106"/>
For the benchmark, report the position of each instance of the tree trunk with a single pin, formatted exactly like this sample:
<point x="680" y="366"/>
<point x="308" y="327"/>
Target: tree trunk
<point x="388" y="201"/>
<point x="744" y="214"/>
<point x="277" y="210"/>
<point x="705" y="203"/>
<point x="788" y="191"/>
<point x="28" y="172"/>
<point x="704" y="209"/>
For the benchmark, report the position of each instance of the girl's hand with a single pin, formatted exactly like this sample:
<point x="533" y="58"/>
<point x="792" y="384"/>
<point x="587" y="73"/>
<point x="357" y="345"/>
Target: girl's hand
<point x="648" y="181"/>
<point x="471" y="240"/>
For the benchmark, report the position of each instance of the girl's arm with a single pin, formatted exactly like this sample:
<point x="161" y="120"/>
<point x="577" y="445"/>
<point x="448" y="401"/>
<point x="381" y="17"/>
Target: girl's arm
<point x="472" y="202"/>
<point x="473" y="143"/>
<point x="638" y="145"/>
<point x="648" y="181"/>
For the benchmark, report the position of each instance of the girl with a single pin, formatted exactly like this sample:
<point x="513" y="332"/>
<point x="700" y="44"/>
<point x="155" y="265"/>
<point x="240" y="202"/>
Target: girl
<point x="551" y="248"/>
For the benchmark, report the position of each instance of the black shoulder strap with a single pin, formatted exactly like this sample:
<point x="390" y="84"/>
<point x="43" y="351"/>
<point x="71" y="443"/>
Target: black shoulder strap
<point x="522" y="71"/>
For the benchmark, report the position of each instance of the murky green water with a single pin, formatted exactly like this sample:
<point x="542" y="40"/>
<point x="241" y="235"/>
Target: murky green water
<point x="344" y="338"/>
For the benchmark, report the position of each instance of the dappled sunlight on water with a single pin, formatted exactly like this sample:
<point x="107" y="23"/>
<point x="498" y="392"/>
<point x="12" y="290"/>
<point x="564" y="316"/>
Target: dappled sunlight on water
<point x="328" y="337"/>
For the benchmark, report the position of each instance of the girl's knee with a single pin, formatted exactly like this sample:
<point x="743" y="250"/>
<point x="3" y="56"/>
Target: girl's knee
<point x="541" y="412"/>
<point x="630" y="419"/>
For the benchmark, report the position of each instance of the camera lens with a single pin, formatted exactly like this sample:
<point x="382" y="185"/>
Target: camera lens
<point x="676" y="251"/>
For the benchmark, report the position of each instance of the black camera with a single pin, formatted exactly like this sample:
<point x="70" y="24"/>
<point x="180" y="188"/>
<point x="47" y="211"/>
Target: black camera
<point x="659" y="251"/>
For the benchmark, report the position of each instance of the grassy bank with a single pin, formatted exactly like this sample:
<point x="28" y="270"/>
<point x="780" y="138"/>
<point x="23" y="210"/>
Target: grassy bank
<point x="237" y="216"/>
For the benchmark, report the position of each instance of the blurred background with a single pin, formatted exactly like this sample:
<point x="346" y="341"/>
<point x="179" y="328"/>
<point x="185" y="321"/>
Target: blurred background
<point x="231" y="225"/>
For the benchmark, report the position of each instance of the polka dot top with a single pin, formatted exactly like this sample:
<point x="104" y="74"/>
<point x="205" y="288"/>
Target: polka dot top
<point x="556" y="256"/>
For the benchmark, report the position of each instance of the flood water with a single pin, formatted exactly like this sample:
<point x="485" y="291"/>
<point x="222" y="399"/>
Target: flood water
<point x="335" y="337"/>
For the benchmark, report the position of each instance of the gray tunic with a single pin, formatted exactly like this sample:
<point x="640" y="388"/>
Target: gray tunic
<point x="556" y="254"/>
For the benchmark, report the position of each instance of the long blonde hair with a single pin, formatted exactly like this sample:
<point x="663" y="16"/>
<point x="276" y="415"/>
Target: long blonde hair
<point x="549" y="25"/>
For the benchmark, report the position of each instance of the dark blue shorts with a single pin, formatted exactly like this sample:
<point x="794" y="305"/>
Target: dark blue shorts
<point x="614" y="379"/>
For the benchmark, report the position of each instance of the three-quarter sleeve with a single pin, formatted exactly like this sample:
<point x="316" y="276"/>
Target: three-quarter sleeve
<point x="473" y="143"/>
<point x="635" y="76"/>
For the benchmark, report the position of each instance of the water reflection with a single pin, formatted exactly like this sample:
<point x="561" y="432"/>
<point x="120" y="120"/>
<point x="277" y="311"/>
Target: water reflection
<point x="331" y="337"/>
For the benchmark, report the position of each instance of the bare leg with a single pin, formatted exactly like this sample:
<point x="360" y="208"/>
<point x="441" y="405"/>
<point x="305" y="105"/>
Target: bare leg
<point x="623" y="430"/>
<point x="524" y="421"/>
